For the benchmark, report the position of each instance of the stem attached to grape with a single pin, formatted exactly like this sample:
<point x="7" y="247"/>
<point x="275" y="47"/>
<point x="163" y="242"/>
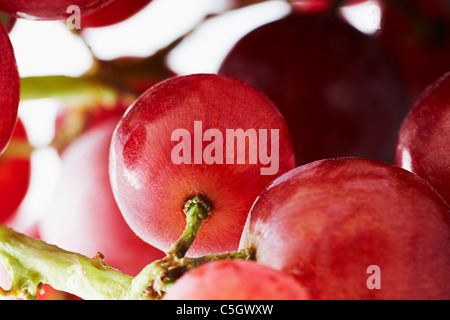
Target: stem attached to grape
<point x="163" y="273"/>
<point x="197" y="209"/>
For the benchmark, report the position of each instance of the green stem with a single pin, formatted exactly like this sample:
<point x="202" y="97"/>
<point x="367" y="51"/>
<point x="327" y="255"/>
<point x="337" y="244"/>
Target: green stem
<point x="87" y="90"/>
<point x="32" y="262"/>
<point x="163" y="273"/>
<point x="197" y="210"/>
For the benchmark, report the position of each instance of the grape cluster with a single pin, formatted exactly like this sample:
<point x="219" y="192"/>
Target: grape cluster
<point x="313" y="164"/>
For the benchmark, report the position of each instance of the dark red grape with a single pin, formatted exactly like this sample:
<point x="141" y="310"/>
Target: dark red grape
<point x="423" y="144"/>
<point x="335" y="86"/>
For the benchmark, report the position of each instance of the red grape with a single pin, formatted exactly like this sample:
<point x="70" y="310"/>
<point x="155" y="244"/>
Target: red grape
<point x="151" y="189"/>
<point x="423" y="144"/>
<point x="15" y="170"/>
<point x="9" y="89"/>
<point x="236" y="280"/>
<point x="83" y="216"/>
<point x="417" y="34"/>
<point x="48" y="10"/>
<point x="114" y="12"/>
<point x="335" y="86"/>
<point x="330" y="222"/>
